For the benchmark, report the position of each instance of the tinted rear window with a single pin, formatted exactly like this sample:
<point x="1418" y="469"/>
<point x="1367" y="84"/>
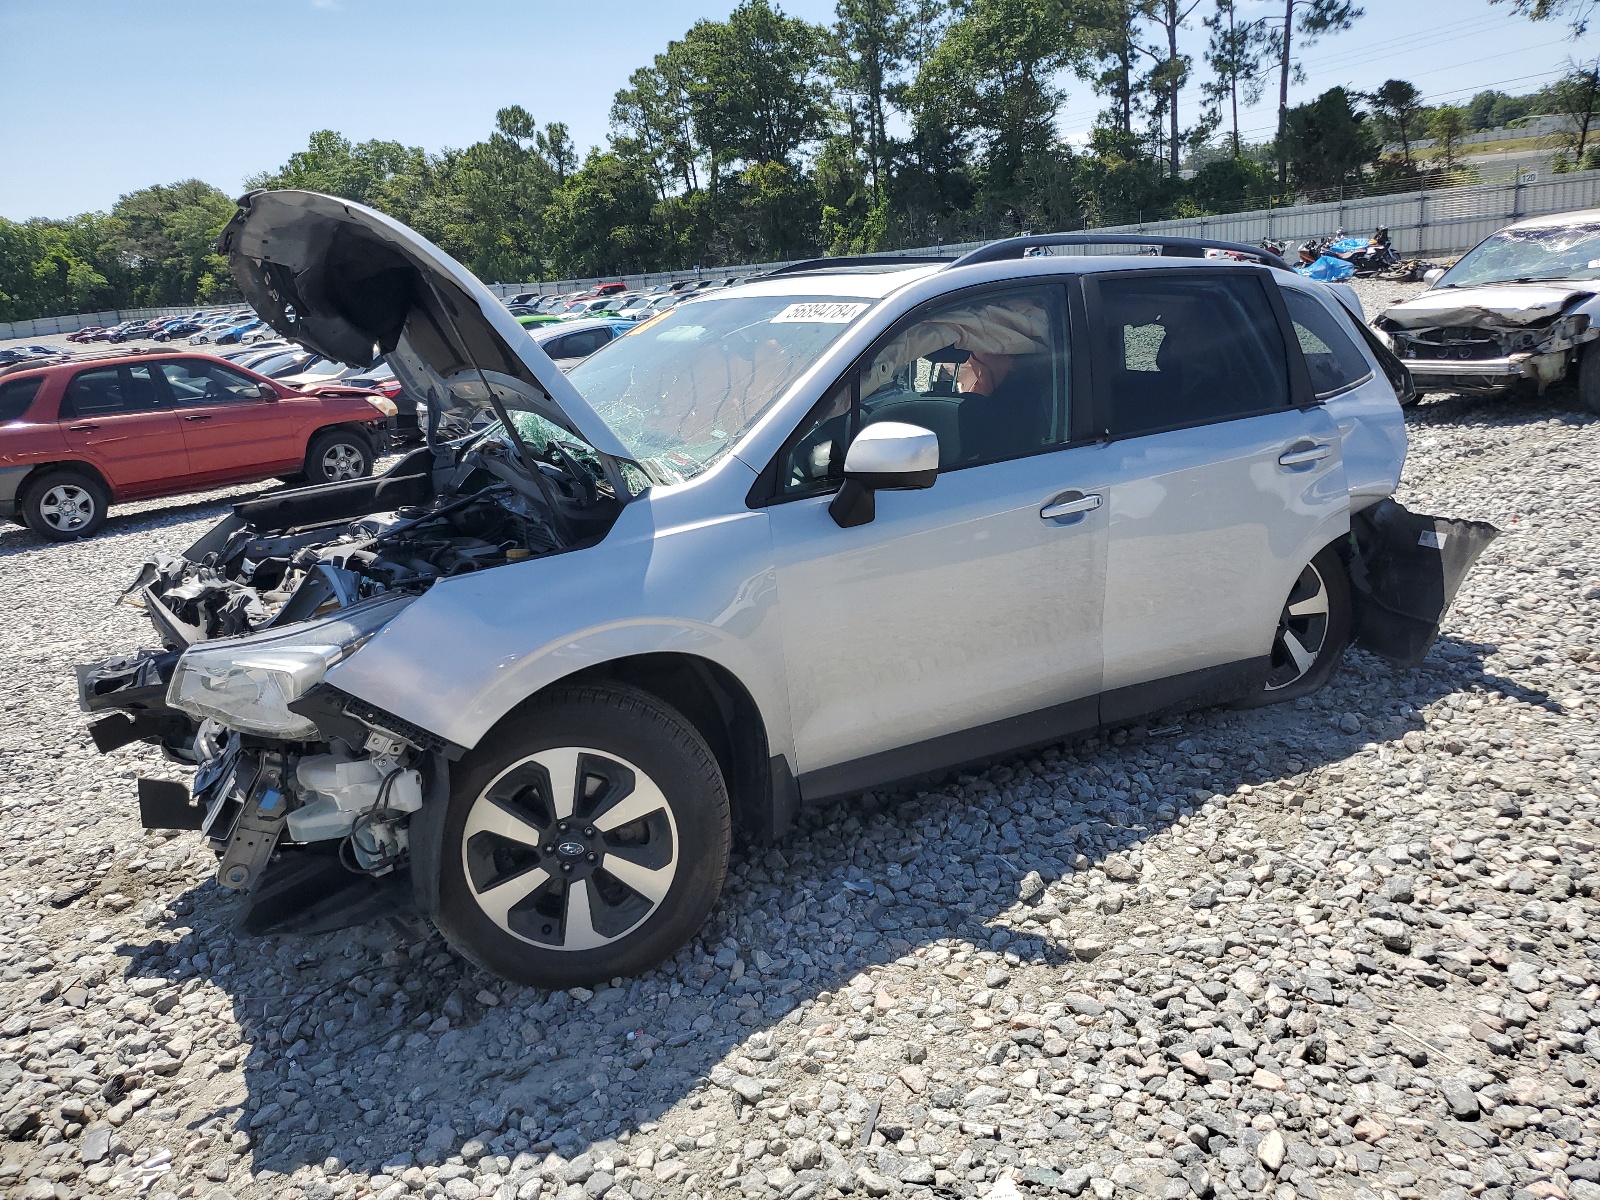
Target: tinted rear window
<point x="1189" y="349"/>
<point x="16" y="396"/>
<point x="1332" y="358"/>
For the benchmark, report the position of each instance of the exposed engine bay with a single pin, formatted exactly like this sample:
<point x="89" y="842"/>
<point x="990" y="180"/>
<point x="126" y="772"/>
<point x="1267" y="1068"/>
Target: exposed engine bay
<point x="1489" y="338"/>
<point x="283" y="586"/>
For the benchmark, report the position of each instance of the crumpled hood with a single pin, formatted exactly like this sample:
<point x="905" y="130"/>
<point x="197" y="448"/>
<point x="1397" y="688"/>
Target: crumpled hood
<point x="1495" y="304"/>
<point x="348" y="282"/>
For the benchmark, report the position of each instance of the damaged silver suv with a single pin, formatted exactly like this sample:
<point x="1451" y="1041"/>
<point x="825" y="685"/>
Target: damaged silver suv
<point x="853" y="521"/>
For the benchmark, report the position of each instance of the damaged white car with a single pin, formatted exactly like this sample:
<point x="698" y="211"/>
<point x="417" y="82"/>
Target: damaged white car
<point x="1520" y="311"/>
<point x="854" y="521"/>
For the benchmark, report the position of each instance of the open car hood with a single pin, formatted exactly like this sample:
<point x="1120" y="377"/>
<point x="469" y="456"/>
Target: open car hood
<point x="1493" y="304"/>
<point x="348" y="282"/>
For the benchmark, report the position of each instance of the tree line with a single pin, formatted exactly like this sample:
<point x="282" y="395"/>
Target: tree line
<point x="765" y="137"/>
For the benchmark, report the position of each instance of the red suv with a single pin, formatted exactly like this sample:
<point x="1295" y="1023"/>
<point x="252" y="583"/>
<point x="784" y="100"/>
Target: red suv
<point x="74" y="437"/>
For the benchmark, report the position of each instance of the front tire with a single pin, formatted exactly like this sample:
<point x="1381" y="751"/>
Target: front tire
<point x="586" y="838"/>
<point x="63" y="506"/>
<point x="337" y="455"/>
<point x="1313" y="630"/>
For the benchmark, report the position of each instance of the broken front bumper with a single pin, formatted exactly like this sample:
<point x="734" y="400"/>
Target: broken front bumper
<point x="1486" y="374"/>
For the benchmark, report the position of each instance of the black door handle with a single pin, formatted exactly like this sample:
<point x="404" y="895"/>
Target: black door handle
<point x="199" y="417"/>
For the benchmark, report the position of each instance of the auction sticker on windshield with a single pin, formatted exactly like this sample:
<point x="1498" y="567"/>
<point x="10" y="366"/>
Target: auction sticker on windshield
<point x="821" y="313"/>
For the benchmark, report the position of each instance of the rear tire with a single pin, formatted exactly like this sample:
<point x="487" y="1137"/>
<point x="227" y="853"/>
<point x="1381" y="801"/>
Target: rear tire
<point x="337" y="455"/>
<point x="1589" y="378"/>
<point x="1313" y="630"/>
<point x="63" y="506"/>
<point x="586" y="838"/>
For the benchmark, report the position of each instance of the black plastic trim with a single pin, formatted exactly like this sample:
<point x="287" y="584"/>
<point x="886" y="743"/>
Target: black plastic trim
<point x="1181" y="247"/>
<point x="1192" y="689"/>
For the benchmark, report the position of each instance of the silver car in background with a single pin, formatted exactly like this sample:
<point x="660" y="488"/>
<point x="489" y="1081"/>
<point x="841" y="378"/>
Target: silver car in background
<point x="1520" y="310"/>
<point x="851" y="522"/>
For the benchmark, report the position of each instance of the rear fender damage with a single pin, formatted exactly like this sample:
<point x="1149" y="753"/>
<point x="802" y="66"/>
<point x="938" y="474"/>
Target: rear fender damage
<point x="1405" y="570"/>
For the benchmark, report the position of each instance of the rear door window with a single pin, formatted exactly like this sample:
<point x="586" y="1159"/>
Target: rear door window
<point x="106" y="391"/>
<point x="1335" y="362"/>
<point x="16" y="397"/>
<point x="1186" y="348"/>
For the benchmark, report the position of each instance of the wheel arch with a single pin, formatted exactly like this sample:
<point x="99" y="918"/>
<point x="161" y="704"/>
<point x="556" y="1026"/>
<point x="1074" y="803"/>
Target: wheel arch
<point x="762" y="789"/>
<point x="75" y="465"/>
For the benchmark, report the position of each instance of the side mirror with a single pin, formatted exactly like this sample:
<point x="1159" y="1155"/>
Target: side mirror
<point x="890" y="455"/>
<point x="1432" y="275"/>
<point x="266" y="391"/>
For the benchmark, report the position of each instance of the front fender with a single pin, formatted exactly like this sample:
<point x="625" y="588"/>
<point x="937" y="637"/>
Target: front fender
<point x="475" y="646"/>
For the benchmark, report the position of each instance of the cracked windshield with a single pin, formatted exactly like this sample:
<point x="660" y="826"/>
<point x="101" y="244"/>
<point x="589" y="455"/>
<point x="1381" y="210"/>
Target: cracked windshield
<point x="682" y="388"/>
<point x="1526" y="255"/>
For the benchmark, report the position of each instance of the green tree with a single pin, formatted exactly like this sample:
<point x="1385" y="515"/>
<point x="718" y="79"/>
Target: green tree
<point x="873" y="42"/>
<point x="993" y="78"/>
<point x="1448" y="125"/>
<point x="366" y="173"/>
<point x="1235" y="52"/>
<point x="167" y="236"/>
<point x="1327" y="142"/>
<point x="1577" y="12"/>
<point x="1113" y="32"/>
<point x="1310" y="19"/>
<point x="1575" y="96"/>
<point x="599" y="221"/>
<point x="1398" y="105"/>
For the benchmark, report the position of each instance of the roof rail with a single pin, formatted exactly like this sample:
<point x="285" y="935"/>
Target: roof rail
<point x="858" y="260"/>
<point x="1171" y="247"/>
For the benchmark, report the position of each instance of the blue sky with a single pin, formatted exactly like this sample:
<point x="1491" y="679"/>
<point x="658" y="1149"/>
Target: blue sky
<point x="99" y="97"/>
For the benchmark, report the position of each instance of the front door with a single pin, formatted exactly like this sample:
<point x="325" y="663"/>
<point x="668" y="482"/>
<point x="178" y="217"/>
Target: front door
<point x="229" y="429"/>
<point x="965" y="618"/>
<point x="1222" y="486"/>
<point x="111" y="418"/>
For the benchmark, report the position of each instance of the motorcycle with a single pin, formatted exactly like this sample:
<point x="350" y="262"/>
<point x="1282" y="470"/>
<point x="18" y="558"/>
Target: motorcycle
<point x="1370" y="256"/>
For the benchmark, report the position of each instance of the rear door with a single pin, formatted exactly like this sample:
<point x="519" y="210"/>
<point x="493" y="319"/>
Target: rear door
<point x="229" y="428"/>
<point x="112" y="418"/>
<point x="1226" y="477"/>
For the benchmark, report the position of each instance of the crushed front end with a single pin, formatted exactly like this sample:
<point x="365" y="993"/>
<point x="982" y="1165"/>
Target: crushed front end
<point x="1490" y="339"/>
<point x="306" y="794"/>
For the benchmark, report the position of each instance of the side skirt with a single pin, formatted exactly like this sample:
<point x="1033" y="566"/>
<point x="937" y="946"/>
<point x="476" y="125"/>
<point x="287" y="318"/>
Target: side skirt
<point x="1193" y="689"/>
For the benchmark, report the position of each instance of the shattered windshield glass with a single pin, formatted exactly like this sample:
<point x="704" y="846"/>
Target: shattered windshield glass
<point x="680" y="389"/>
<point x="1530" y="255"/>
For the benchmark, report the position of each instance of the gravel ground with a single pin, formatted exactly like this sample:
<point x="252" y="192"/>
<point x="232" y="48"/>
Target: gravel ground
<point x="1344" y="948"/>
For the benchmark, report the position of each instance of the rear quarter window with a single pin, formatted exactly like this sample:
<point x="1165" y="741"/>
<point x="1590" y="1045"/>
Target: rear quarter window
<point x="16" y="397"/>
<point x="1335" y="362"/>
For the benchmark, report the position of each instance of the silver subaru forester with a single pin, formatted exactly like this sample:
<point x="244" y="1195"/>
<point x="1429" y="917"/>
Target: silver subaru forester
<point x="851" y="522"/>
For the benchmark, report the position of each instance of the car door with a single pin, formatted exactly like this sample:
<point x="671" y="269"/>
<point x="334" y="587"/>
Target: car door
<point x="230" y="428"/>
<point x="965" y="618"/>
<point x="112" y="418"/>
<point x="1225" y="477"/>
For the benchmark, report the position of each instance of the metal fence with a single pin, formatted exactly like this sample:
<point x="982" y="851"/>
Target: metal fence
<point x="1439" y="222"/>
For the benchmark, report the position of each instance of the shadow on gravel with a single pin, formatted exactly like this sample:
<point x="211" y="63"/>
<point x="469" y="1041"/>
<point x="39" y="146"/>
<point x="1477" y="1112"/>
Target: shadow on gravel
<point x="383" y="1049"/>
<point x="1441" y="409"/>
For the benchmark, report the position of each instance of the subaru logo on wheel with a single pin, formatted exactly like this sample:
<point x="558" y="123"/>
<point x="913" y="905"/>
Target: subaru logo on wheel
<point x="570" y="849"/>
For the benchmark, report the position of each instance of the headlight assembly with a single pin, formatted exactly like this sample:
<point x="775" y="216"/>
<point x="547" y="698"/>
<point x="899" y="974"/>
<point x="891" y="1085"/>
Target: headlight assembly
<point x="248" y="683"/>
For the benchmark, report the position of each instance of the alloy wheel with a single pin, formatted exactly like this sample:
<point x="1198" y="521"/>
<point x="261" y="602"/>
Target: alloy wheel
<point x="1302" y="630"/>
<point x="66" y="507"/>
<point x="570" y="849"/>
<point x="342" y="461"/>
